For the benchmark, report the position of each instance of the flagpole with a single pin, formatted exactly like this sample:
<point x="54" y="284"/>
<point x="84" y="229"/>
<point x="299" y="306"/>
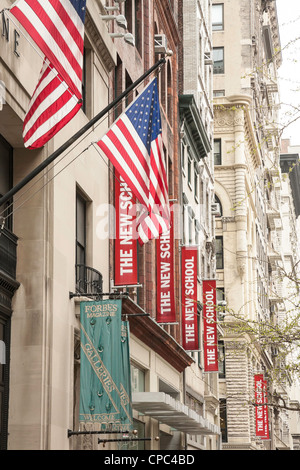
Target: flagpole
<point x="76" y="136"/>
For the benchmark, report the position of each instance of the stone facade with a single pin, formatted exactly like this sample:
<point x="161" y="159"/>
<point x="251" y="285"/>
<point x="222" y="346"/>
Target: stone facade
<point x="248" y="186"/>
<point x="42" y="388"/>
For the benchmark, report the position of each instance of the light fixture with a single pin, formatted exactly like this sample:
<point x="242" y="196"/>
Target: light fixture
<point x="120" y="19"/>
<point x="128" y="37"/>
<point x="112" y="8"/>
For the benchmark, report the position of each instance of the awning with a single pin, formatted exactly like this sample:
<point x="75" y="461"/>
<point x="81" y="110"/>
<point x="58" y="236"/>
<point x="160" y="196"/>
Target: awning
<point x="167" y="410"/>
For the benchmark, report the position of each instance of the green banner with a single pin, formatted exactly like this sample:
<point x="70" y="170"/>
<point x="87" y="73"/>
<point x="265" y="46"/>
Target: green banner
<point x="105" y="388"/>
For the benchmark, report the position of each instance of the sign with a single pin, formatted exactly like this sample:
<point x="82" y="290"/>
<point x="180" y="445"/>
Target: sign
<point x="165" y="297"/>
<point x="105" y="391"/>
<point x="210" y="336"/>
<point x="190" y="339"/>
<point x="6" y="33"/>
<point x="125" y="243"/>
<point x="261" y="409"/>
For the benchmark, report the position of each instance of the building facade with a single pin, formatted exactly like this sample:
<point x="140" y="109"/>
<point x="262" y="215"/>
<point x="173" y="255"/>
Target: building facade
<point x="197" y="174"/>
<point x="58" y="247"/>
<point x="249" y="232"/>
<point x="289" y="164"/>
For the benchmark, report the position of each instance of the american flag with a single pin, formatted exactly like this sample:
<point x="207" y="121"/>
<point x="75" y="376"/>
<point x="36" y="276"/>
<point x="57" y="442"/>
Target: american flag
<point x="57" y="27"/>
<point x="134" y="146"/>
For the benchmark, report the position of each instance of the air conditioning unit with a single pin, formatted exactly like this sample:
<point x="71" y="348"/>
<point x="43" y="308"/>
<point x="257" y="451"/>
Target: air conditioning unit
<point x="215" y="209"/>
<point x="207" y="59"/>
<point x="160" y="44"/>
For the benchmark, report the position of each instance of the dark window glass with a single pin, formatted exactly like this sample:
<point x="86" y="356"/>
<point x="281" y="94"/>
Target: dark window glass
<point x="219" y="253"/>
<point x="6" y="169"/>
<point x="218" y="59"/>
<point x="80" y="230"/>
<point x="217" y="152"/>
<point x="223" y="419"/>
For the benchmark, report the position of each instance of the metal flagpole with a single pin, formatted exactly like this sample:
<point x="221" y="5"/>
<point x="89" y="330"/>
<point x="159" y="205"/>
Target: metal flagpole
<point x="76" y="136"/>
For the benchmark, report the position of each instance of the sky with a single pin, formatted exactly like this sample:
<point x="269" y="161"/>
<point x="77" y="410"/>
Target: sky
<point x="289" y="73"/>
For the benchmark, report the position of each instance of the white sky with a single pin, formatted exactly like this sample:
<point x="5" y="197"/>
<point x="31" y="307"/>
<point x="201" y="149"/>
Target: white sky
<point x="289" y="73"/>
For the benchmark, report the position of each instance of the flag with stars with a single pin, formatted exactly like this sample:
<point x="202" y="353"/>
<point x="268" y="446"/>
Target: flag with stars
<point x="134" y="146"/>
<point x="57" y="27"/>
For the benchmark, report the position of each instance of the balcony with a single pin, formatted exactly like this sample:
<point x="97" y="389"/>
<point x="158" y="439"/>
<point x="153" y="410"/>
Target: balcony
<point x="89" y="281"/>
<point x="8" y="253"/>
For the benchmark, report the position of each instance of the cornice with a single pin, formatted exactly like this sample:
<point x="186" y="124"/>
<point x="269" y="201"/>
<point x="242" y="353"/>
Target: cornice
<point x="147" y="330"/>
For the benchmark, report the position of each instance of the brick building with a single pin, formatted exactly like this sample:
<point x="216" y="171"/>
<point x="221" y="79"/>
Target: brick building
<point x="54" y="254"/>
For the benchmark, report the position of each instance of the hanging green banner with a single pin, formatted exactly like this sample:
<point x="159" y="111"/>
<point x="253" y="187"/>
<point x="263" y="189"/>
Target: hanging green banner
<point x="105" y="389"/>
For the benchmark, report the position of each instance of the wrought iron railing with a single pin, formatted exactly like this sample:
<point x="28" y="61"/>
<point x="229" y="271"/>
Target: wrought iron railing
<point x="8" y="252"/>
<point x="88" y="280"/>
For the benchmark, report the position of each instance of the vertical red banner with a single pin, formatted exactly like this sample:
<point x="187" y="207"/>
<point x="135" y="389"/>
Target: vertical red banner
<point x="190" y="336"/>
<point x="126" y="240"/>
<point x="210" y="335"/>
<point x="261" y="409"/>
<point x="165" y="296"/>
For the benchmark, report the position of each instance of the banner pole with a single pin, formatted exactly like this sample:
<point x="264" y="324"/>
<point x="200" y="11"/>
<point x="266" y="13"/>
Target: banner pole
<point x="76" y="136"/>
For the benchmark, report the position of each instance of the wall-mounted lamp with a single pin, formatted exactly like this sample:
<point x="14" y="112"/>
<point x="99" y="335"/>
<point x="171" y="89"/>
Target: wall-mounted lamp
<point x="120" y="19"/>
<point x="128" y="37"/>
<point x="112" y="8"/>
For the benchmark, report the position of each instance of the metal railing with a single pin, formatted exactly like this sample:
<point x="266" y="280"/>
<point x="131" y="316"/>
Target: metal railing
<point x="88" y="280"/>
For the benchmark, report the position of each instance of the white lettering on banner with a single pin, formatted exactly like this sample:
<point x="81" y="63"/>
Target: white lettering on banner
<point x="125" y="245"/>
<point x="189" y="303"/>
<point x="126" y="262"/>
<point x="165" y="294"/>
<point x="210" y="326"/>
<point x="6" y="34"/>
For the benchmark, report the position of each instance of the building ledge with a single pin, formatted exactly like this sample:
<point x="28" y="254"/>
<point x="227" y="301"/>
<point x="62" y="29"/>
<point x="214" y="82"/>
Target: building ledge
<point x="167" y="410"/>
<point x="147" y="330"/>
<point x="189" y="110"/>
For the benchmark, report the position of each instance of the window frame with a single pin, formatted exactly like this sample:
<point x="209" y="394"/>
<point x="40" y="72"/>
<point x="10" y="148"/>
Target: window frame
<point x="219" y="70"/>
<point x="220" y="253"/>
<point x="218" y="156"/>
<point x="217" y="26"/>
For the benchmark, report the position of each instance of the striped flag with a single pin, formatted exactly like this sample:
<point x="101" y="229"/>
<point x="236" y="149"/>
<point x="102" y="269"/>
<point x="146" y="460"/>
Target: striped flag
<point x="134" y="146"/>
<point x="57" y="27"/>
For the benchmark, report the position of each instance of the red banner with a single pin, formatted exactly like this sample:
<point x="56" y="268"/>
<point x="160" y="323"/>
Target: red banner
<point x="190" y="337"/>
<point x="165" y="297"/>
<point x="210" y="335"/>
<point x="126" y="240"/>
<point x="261" y="409"/>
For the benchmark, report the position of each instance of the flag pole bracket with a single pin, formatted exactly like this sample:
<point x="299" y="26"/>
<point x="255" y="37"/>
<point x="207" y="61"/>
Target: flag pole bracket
<point x="81" y="433"/>
<point x="130" y="439"/>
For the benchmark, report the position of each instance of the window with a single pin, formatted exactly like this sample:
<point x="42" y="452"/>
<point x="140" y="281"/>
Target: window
<point x="220" y="298"/>
<point x="196" y="182"/>
<point x="134" y="15"/>
<point x="223" y="419"/>
<point x="137" y="379"/>
<point x="80" y="230"/>
<point x="218" y="93"/>
<point x="4" y="379"/>
<point x="87" y="81"/>
<point x="183" y="156"/>
<point x="219" y="253"/>
<point x="217" y="152"/>
<point x="6" y="164"/>
<point x="217" y="201"/>
<point x="221" y="357"/>
<point x="217" y="17"/>
<point x="190" y="170"/>
<point x="218" y="59"/>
